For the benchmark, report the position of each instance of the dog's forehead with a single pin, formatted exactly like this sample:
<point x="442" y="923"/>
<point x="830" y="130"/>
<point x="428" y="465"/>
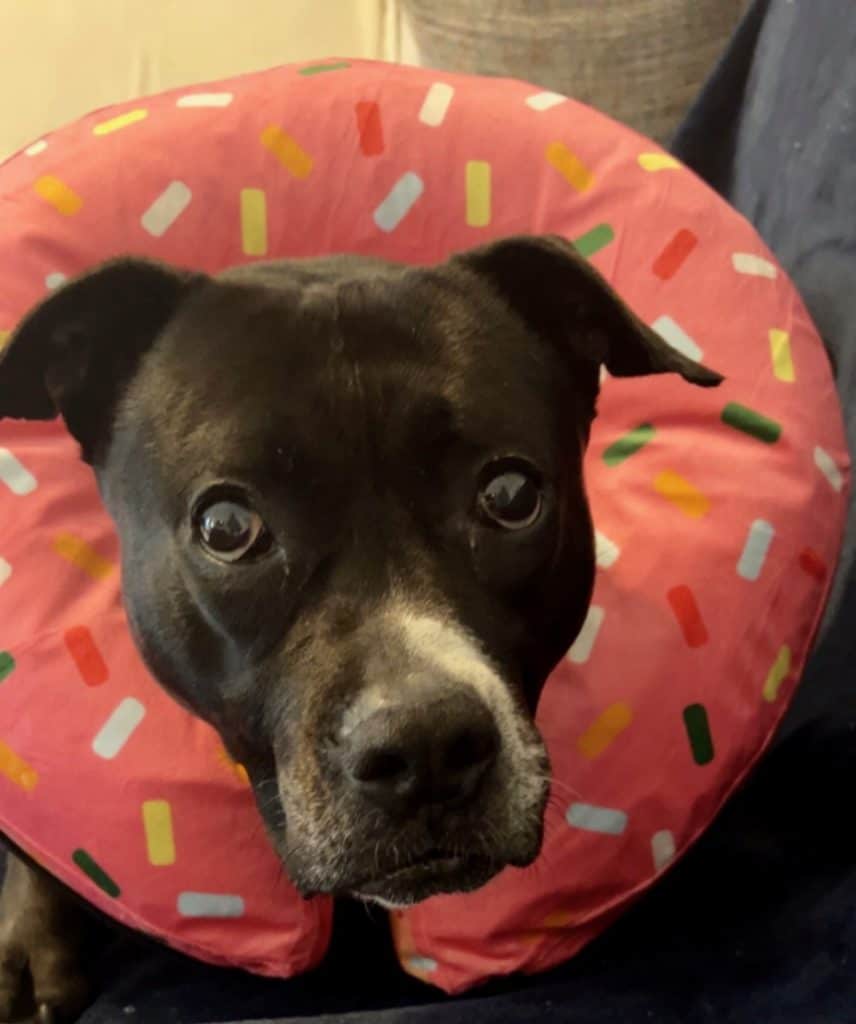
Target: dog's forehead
<point x="326" y="358"/>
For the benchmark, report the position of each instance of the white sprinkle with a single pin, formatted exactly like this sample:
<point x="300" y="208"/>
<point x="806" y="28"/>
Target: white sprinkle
<point x="673" y="334"/>
<point x="398" y="203"/>
<point x="756" y="266"/>
<point x="826" y="464"/>
<point x="581" y="650"/>
<point x="758" y="542"/>
<point x="606" y="550"/>
<point x="205" y="99"/>
<point x="210" y="904"/>
<point x="55" y="280"/>
<point x="436" y="104"/>
<point x="662" y="848"/>
<point x="16" y="477"/>
<point x="422" y="964"/>
<point x="166" y="209"/>
<point x="596" y="819"/>
<point x="545" y="100"/>
<point x="5" y="571"/>
<point x="118" y="728"/>
<point x="36" y="148"/>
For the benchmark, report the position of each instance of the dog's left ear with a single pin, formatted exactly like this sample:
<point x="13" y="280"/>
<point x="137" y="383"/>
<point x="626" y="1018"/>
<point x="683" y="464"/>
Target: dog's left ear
<point x="75" y="353"/>
<point x="568" y="303"/>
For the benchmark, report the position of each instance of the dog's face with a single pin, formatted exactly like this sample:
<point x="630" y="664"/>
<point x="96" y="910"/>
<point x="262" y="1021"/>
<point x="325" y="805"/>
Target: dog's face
<point x="354" y="530"/>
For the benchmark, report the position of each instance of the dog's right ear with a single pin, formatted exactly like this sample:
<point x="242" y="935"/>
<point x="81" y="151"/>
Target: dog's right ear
<point x="74" y="354"/>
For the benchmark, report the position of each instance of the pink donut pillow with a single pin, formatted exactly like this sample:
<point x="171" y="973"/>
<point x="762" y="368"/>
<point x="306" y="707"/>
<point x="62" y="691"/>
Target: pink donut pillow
<point x="719" y="513"/>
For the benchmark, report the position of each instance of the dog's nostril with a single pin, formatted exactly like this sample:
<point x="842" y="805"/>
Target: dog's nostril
<point x="379" y="766"/>
<point x="470" y="748"/>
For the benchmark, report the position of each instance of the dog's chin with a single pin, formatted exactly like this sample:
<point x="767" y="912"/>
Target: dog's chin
<point x="435" y="876"/>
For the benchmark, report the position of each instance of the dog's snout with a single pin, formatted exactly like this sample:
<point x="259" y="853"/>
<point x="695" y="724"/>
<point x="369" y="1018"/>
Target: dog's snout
<point x="421" y="749"/>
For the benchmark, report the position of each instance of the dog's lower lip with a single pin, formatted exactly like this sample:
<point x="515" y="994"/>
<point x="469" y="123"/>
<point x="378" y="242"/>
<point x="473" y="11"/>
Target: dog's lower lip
<point x="433" y="865"/>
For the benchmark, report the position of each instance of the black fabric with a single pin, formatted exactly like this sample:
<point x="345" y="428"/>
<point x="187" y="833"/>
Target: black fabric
<point x="758" y="923"/>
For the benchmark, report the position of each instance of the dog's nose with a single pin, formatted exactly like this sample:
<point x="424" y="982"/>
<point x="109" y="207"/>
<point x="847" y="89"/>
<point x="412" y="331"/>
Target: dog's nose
<point x="423" y="749"/>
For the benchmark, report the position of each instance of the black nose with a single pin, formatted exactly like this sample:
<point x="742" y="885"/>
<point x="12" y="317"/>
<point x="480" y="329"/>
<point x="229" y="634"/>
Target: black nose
<point x="431" y="747"/>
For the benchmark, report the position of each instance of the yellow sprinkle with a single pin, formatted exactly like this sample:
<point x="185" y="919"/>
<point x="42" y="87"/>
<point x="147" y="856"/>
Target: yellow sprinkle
<point x="572" y="169"/>
<point x="254" y="221"/>
<point x="59" y="195"/>
<point x="478" y="193"/>
<point x="160" y="841"/>
<point x="554" y="921"/>
<point x="600" y="734"/>
<point x="777" y="674"/>
<point x="239" y="770"/>
<point x="780" y="352"/>
<point x="4" y="339"/>
<point x="79" y="553"/>
<point x="287" y="151"/>
<point x="658" y="162"/>
<point x="115" y="124"/>
<point x="681" y="492"/>
<point x="17" y="770"/>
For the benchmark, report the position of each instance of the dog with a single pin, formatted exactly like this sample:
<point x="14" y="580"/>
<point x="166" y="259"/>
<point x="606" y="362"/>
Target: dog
<point x="355" y="540"/>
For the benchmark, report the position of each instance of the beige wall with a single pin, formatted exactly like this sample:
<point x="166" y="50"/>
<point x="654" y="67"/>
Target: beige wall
<point x="62" y="58"/>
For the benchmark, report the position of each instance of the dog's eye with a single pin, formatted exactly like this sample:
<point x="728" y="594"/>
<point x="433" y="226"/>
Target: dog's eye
<point x="230" y="530"/>
<point x="511" y="498"/>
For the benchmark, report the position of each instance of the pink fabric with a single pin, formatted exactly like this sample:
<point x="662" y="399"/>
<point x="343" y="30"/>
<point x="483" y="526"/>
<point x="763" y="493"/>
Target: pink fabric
<point x="693" y="646"/>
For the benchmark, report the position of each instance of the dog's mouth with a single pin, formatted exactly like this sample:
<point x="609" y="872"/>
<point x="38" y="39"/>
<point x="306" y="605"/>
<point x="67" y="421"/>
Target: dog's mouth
<point x="433" y="871"/>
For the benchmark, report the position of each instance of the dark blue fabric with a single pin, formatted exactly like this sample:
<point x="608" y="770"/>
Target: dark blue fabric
<point x="758" y="923"/>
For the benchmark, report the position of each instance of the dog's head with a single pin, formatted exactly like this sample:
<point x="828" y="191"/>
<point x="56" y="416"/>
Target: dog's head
<point x="354" y="531"/>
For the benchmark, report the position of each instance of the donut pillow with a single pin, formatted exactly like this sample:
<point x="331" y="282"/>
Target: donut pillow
<point x="719" y="513"/>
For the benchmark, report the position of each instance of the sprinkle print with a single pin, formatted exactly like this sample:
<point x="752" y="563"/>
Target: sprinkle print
<point x="116" y="124"/>
<point x="698" y="733"/>
<point x="686" y="611"/>
<point x="570" y="166"/>
<point x="80" y="554"/>
<point x="778" y="673"/>
<point x="369" y="128"/>
<point x="118" y="729"/>
<point x="629" y="444"/>
<point x="166" y="209"/>
<point x="436" y="104"/>
<point x="399" y="201"/>
<point x="95" y="873"/>
<point x="478" y="193"/>
<point x="86" y="656"/>
<point x="254" y="221"/>
<point x="60" y="196"/>
<point x="287" y="151"/>
<point x="15" y="475"/>
<point x="604" y="730"/>
<point x="682" y="494"/>
<point x="753" y="266"/>
<point x="599" y="237"/>
<point x="654" y="162"/>
<point x="751" y="422"/>
<point x="675" y="254"/>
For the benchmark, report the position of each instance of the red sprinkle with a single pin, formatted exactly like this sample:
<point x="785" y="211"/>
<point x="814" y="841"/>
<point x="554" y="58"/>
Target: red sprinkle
<point x="370" y="128"/>
<point x="689" y="618"/>
<point x="669" y="261"/>
<point x="86" y="656"/>
<point x="813" y="564"/>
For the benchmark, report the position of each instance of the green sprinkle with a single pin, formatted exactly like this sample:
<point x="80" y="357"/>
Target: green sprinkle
<point x="7" y="665"/>
<point x="751" y="422"/>
<point x="628" y="445"/>
<point x="595" y="240"/>
<point x="95" y="873"/>
<point x="319" y="69"/>
<point x="698" y="732"/>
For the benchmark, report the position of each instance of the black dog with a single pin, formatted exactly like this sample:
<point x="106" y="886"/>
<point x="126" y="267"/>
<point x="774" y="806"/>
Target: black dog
<point x="355" y="536"/>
